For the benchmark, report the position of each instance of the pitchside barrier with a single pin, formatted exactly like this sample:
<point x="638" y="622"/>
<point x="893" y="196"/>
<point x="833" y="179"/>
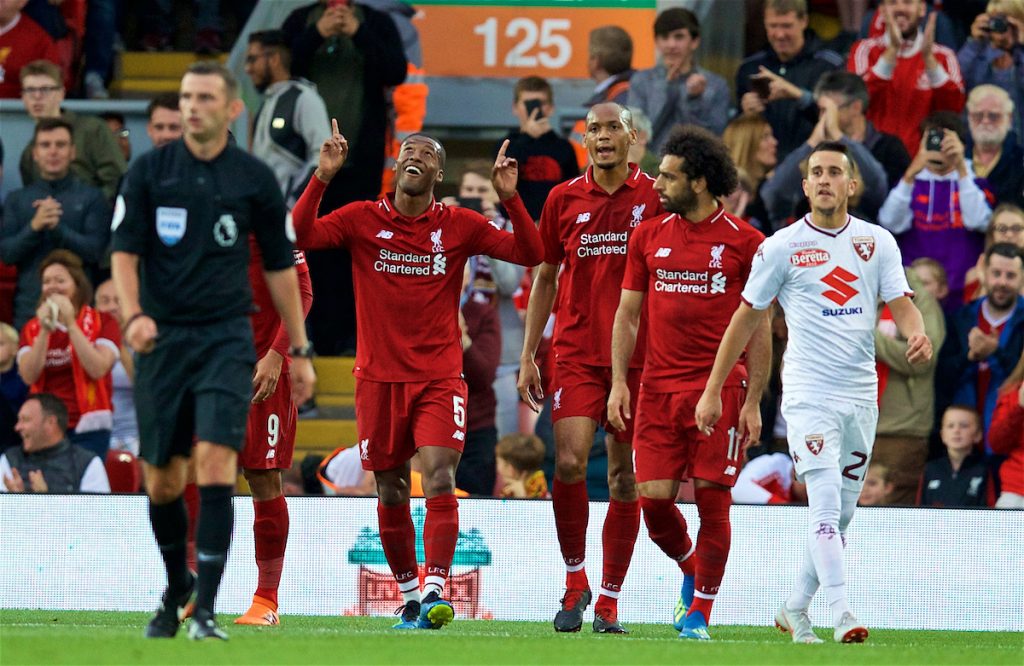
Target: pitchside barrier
<point x="906" y="568"/>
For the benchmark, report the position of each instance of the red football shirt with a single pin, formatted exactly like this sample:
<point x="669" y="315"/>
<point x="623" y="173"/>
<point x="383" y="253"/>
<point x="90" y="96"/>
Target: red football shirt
<point x="588" y="229"/>
<point x="407" y="274"/>
<point x="984" y="371"/>
<point x="693" y="274"/>
<point x="57" y="377"/>
<point x="268" y="330"/>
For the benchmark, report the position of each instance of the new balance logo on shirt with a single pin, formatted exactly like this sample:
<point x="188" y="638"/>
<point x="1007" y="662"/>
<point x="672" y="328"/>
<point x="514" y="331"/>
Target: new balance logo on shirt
<point x="582" y="217"/>
<point x="385" y="234"/>
<point x="663" y="252"/>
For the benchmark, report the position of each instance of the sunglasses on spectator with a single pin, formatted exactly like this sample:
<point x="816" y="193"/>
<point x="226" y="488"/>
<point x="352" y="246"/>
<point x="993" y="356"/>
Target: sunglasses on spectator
<point x="990" y="116"/>
<point x="41" y="90"/>
<point x="1009" y="228"/>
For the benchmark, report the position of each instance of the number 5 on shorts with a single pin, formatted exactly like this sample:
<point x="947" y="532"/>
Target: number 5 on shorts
<point x="459" y="408"/>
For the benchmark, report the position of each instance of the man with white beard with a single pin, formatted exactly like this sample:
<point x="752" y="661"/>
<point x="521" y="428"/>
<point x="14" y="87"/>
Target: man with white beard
<point x="996" y="160"/>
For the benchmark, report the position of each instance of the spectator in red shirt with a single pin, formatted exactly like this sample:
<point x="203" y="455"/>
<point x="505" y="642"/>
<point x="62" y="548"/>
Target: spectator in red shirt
<point x="69" y="348"/>
<point x="908" y="75"/>
<point x="21" y="42"/>
<point x="1006" y="436"/>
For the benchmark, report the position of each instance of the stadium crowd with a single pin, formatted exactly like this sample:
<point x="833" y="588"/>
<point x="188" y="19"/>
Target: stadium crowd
<point x="927" y="97"/>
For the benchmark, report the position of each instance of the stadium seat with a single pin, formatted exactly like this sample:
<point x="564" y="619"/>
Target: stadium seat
<point x="124" y="471"/>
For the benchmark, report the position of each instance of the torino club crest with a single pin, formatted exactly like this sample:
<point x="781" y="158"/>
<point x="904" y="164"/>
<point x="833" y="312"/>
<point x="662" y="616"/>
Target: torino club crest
<point x="865" y="246"/>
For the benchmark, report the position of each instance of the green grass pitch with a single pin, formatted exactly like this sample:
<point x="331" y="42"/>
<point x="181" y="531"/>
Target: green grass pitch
<point x="55" y="637"/>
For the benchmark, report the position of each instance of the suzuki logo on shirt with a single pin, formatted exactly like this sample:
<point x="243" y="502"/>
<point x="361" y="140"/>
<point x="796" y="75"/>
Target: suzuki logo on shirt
<point x="716" y="256"/>
<point x="840" y="280"/>
<point x="663" y="252"/>
<point x="385" y="234"/>
<point x="638" y="214"/>
<point x="582" y="217"/>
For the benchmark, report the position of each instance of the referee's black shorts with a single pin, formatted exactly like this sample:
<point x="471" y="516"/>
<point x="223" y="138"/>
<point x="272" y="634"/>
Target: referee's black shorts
<point x="197" y="382"/>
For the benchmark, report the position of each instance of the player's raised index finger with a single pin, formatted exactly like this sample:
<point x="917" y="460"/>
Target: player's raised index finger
<point x="501" y="151"/>
<point x="334" y="126"/>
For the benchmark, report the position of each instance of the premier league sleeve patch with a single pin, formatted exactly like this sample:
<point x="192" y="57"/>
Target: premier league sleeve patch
<point x="170" y="224"/>
<point x="225" y="231"/>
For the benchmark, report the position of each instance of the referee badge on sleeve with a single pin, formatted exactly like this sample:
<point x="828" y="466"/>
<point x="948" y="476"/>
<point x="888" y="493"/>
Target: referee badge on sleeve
<point x="170" y="224"/>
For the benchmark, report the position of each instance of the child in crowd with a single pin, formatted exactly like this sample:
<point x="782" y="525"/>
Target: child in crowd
<point x="519" y="459"/>
<point x="933" y="276"/>
<point x="877" y="486"/>
<point x="12" y="388"/>
<point x="961" y="478"/>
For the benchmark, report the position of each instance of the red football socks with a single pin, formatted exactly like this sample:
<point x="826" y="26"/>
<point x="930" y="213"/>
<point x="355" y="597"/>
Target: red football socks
<point x="440" y="534"/>
<point x="398" y="537"/>
<point x="270" y="529"/>
<point x="618" y="537"/>
<point x="572" y="513"/>
<point x="667" y="528"/>
<point x="712" y="546"/>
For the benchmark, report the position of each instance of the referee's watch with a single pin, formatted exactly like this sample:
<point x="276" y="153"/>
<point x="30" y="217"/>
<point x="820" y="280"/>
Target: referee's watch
<point x="304" y="351"/>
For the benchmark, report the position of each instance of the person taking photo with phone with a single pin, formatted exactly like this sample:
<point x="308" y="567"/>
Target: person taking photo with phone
<point x="545" y="158"/>
<point x="994" y="53"/>
<point x="938" y="209"/>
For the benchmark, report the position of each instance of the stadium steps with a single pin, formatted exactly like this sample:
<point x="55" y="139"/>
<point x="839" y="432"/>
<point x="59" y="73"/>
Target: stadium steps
<point x="143" y="74"/>
<point x="335" y="422"/>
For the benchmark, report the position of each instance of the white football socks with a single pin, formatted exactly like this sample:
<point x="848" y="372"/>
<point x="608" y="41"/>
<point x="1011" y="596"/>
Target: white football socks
<point x="831" y="510"/>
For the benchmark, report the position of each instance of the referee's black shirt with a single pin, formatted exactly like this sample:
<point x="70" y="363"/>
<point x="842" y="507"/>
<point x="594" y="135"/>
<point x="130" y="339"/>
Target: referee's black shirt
<point x="189" y="221"/>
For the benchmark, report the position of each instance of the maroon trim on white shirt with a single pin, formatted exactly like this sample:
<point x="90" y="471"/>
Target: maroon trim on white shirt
<point x="807" y="221"/>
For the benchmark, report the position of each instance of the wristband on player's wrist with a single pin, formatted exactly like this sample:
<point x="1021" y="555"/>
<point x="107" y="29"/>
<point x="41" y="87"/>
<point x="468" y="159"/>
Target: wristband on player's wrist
<point x="131" y="320"/>
<point x="302" y="351"/>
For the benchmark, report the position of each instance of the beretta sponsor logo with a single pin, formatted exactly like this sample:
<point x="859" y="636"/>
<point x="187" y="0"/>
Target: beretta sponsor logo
<point x="808" y="258"/>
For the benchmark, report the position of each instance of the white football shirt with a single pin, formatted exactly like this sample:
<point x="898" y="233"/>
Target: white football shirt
<point x="829" y="282"/>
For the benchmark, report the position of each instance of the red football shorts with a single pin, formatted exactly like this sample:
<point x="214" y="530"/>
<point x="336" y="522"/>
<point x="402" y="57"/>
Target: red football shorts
<point x="270" y="432"/>
<point x="396" y="418"/>
<point x="669" y="446"/>
<point x="582" y="390"/>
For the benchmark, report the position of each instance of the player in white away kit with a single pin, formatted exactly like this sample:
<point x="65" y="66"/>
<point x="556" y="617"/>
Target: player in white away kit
<point x="828" y="271"/>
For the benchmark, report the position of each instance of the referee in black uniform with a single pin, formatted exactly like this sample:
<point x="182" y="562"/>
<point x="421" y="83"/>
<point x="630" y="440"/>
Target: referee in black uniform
<point x="180" y="239"/>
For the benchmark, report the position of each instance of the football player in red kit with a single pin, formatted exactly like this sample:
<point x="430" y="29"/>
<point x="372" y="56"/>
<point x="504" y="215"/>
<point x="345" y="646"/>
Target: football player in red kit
<point x="408" y="254"/>
<point x="689" y="266"/>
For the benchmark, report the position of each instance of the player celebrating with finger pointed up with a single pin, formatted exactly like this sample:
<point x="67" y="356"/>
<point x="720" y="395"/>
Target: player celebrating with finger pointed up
<point x="690" y="265"/>
<point x="585" y="226"/>
<point x="408" y="254"/>
<point x="829" y="271"/>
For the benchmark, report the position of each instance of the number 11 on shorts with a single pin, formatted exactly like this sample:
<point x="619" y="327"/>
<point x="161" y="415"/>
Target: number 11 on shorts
<point x="734" y="445"/>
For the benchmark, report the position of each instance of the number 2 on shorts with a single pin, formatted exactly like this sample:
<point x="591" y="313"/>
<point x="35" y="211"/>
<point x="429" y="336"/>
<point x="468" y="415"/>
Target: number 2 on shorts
<point x="849" y="470"/>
